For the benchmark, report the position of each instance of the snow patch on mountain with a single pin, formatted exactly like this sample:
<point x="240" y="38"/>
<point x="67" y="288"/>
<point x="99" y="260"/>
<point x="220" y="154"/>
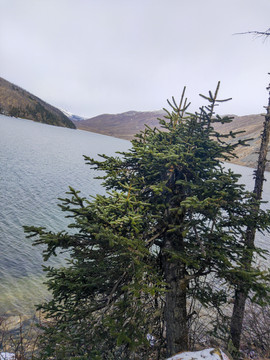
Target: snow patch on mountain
<point x="72" y="116"/>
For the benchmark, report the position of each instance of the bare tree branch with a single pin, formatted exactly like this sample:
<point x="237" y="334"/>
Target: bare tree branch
<point x="264" y="34"/>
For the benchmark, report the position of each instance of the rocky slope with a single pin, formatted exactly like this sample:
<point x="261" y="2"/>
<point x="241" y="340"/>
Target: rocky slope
<point x="15" y="101"/>
<point x="127" y="124"/>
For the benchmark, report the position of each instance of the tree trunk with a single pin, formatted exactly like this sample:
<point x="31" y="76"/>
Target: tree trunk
<point x="241" y="292"/>
<point x="238" y="316"/>
<point x="175" y="307"/>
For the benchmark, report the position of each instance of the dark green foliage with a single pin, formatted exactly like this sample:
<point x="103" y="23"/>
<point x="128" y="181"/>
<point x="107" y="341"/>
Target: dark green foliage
<point x="109" y="276"/>
<point x="172" y="215"/>
<point x="15" y="112"/>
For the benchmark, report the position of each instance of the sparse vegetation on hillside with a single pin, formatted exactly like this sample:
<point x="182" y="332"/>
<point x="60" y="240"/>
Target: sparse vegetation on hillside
<point x="124" y="126"/>
<point x="14" y="101"/>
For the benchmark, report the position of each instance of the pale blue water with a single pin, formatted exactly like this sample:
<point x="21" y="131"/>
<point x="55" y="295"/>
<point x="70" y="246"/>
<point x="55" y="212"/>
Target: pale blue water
<point x="38" y="163"/>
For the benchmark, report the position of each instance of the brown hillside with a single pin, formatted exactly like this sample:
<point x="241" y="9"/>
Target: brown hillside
<point x="123" y="126"/>
<point x="252" y="125"/>
<point x="14" y="101"/>
<point x="127" y="124"/>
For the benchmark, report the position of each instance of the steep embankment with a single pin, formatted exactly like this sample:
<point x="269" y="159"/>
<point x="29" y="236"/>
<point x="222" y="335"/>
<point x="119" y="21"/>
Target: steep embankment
<point x="15" y="101"/>
<point x="127" y="124"/>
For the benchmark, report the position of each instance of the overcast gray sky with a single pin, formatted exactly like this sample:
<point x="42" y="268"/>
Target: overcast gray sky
<point x="109" y="56"/>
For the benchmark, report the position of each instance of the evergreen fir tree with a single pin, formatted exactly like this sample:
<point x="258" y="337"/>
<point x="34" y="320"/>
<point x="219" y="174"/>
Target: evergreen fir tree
<point x="172" y="215"/>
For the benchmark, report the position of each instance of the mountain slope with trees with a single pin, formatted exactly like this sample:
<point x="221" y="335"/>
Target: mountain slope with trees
<point x="17" y="102"/>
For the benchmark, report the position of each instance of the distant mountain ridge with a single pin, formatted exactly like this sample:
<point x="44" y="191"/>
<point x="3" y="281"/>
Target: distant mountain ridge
<point x="124" y="125"/>
<point x="127" y="124"/>
<point x="17" y="102"/>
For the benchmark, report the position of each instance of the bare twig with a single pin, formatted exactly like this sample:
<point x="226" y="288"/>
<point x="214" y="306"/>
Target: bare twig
<point x="264" y="34"/>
